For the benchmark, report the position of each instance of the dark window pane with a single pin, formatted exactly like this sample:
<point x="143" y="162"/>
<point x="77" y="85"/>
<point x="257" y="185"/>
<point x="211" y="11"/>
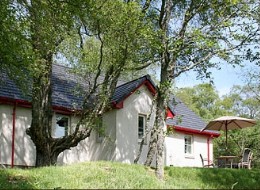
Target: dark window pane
<point x="141" y="125"/>
<point x="61" y="128"/>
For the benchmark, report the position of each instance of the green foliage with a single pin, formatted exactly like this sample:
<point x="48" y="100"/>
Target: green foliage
<point x="15" y="54"/>
<point x="203" y="30"/>
<point x="112" y="175"/>
<point x="121" y="38"/>
<point x="204" y="100"/>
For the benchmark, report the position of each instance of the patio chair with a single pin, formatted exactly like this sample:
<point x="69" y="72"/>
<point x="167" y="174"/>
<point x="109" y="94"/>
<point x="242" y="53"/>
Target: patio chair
<point x="246" y="159"/>
<point x="205" y="163"/>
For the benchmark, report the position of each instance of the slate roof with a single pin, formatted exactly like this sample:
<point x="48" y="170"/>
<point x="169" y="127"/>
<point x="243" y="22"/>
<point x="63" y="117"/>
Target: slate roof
<point x="126" y="89"/>
<point x="9" y="89"/>
<point x="64" y="85"/>
<point x="185" y="117"/>
<point x="67" y="92"/>
<point x="67" y="88"/>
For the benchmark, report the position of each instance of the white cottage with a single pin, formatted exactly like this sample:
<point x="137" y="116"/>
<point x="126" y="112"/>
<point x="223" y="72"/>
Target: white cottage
<point x="124" y="125"/>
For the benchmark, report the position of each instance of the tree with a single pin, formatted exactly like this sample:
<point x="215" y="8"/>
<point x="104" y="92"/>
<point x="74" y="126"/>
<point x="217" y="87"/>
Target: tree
<point x="191" y="34"/>
<point x="85" y="33"/>
<point x="13" y="53"/>
<point x="204" y="100"/>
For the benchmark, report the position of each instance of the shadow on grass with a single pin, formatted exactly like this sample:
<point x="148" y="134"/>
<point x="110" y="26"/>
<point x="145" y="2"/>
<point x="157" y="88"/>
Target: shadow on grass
<point x="10" y="180"/>
<point x="230" y="178"/>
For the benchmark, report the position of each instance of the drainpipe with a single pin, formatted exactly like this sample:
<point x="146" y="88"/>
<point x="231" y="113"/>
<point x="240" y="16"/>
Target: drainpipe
<point x="13" y="134"/>
<point x="208" y="146"/>
<point x="208" y="139"/>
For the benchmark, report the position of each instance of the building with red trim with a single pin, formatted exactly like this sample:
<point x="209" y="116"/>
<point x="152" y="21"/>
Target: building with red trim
<point x="124" y="126"/>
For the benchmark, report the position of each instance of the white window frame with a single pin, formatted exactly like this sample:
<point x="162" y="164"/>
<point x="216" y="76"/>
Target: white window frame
<point x="188" y="145"/>
<point x="144" y="116"/>
<point x="61" y="131"/>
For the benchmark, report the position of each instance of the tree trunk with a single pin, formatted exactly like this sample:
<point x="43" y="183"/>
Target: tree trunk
<point x="45" y="157"/>
<point x="160" y="125"/>
<point x="152" y="147"/>
<point x="156" y="146"/>
<point x="167" y="68"/>
<point x="160" y="122"/>
<point x="40" y="129"/>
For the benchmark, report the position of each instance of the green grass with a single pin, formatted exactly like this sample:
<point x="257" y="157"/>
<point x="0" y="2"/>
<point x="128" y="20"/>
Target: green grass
<point x="117" y="175"/>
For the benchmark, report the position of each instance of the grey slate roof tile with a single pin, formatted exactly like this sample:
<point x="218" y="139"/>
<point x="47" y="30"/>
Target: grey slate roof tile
<point x="185" y="117"/>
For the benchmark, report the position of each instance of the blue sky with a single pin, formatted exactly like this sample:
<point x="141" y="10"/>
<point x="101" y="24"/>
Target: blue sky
<point x="223" y="79"/>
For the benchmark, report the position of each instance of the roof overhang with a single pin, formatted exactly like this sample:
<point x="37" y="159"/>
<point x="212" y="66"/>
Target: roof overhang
<point x="195" y="131"/>
<point x="27" y="104"/>
<point x="11" y="101"/>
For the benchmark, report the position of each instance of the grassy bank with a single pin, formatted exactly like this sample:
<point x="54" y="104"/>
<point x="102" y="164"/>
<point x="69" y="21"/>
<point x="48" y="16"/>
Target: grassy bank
<point x="116" y="175"/>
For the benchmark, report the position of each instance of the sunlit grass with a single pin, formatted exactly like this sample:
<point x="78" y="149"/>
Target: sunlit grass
<point x="113" y="175"/>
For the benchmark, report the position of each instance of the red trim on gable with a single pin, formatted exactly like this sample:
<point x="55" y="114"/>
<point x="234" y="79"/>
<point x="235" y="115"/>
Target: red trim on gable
<point x="148" y="84"/>
<point x="169" y="114"/>
<point x="118" y="105"/>
<point x="150" y="87"/>
<point x="194" y="131"/>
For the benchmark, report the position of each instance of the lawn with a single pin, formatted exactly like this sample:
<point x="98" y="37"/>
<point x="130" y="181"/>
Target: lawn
<point x="117" y="175"/>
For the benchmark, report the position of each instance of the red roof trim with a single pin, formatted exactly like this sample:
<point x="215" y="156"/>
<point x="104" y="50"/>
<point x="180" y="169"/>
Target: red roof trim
<point x="118" y="105"/>
<point x="22" y="103"/>
<point x="169" y="114"/>
<point x="63" y="110"/>
<point x="147" y="83"/>
<point x="150" y="87"/>
<point x="26" y="104"/>
<point x="194" y="131"/>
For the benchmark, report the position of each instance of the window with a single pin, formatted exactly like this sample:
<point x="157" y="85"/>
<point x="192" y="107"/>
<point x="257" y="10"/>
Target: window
<point x="188" y="144"/>
<point x="100" y="130"/>
<point x="61" y="127"/>
<point x="141" y="126"/>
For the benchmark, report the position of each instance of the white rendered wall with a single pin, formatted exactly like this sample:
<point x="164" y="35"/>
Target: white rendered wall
<point x="175" y="150"/>
<point x="120" y="144"/>
<point x="91" y="149"/>
<point x="127" y="145"/>
<point x="6" y="134"/>
<point x="24" y="149"/>
<point x="24" y="152"/>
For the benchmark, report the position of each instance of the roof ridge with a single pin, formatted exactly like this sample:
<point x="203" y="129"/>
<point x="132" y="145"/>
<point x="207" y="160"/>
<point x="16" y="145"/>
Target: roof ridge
<point x="147" y="76"/>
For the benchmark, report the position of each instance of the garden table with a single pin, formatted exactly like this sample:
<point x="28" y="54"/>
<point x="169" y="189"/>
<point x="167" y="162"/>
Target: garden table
<point x="227" y="160"/>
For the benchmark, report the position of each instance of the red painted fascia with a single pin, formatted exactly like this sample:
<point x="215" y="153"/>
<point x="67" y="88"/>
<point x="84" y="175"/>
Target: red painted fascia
<point x="118" y="105"/>
<point x="26" y="104"/>
<point x="150" y="86"/>
<point x="147" y="83"/>
<point x="63" y="110"/>
<point x="10" y="101"/>
<point x="169" y="114"/>
<point x="194" y="131"/>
